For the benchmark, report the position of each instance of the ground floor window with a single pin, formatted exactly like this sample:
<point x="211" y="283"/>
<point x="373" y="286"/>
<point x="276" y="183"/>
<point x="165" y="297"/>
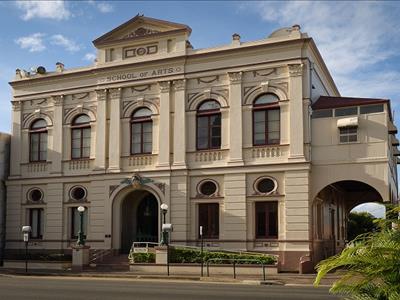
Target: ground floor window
<point x="75" y="222"/>
<point x="36" y="222"/>
<point x="267" y="219"/>
<point x="209" y="219"/>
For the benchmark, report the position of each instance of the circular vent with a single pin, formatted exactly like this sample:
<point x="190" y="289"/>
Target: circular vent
<point x="35" y="195"/>
<point x="208" y="188"/>
<point x="78" y="193"/>
<point x="265" y="185"/>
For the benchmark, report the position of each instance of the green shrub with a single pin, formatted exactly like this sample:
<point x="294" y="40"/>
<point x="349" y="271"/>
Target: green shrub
<point x="190" y="256"/>
<point x="181" y="255"/>
<point x="142" y="257"/>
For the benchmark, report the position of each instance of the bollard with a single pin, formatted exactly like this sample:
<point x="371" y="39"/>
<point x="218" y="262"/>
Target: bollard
<point x="263" y="267"/>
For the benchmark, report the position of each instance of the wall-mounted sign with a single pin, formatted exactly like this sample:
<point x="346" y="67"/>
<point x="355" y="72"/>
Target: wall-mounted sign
<point x="141" y="74"/>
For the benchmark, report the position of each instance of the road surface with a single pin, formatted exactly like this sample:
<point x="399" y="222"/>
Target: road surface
<point x="81" y="288"/>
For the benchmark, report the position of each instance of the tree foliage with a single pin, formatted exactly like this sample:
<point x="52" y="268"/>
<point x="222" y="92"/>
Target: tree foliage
<point x="370" y="265"/>
<point x="360" y="223"/>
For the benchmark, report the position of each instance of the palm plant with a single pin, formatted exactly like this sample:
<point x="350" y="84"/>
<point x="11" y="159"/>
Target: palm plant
<point x="370" y="265"/>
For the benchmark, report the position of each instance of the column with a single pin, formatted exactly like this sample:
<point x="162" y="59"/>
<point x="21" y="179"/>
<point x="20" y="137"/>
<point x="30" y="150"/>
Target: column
<point x="164" y="125"/>
<point x="100" y="156"/>
<point x="179" y="124"/>
<point x="296" y="148"/>
<point x="234" y="223"/>
<point x="53" y="221"/>
<point x="57" y="135"/>
<point x="235" y="118"/>
<point x="115" y="130"/>
<point x="15" y="155"/>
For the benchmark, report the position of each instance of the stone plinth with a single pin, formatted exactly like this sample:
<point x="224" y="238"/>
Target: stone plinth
<point x="80" y="257"/>
<point x="161" y="255"/>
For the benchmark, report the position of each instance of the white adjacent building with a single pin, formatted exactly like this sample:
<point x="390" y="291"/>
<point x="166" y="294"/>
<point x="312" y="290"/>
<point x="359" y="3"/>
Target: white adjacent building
<point x="250" y="140"/>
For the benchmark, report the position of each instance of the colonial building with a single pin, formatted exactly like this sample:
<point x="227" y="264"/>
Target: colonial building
<point x="250" y="140"/>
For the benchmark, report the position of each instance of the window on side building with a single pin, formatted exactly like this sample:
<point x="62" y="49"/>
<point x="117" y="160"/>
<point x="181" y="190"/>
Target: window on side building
<point x="38" y="141"/>
<point x="369" y="109"/>
<point x="209" y="219"/>
<point x="141" y="131"/>
<point x="348" y="134"/>
<point x="36" y="221"/>
<point x="208" y="125"/>
<point x="75" y="222"/>
<point x="267" y="220"/>
<point x="266" y="120"/>
<point x="346" y="111"/>
<point x="80" y="137"/>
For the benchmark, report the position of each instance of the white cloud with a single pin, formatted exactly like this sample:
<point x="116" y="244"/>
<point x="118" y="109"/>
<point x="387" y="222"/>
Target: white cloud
<point x="103" y="7"/>
<point x="90" y="57"/>
<point x="353" y="38"/>
<point x="33" y="42"/>
<point x="56" y="9"/>
<point x="376" y="209"/>
<point x="68" y="44"/>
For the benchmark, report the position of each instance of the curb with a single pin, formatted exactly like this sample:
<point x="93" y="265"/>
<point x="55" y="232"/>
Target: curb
<point x="9" y="273"/>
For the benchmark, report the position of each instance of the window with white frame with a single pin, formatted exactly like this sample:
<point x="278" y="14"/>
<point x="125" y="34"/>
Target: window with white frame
<point x="348" y="134"/>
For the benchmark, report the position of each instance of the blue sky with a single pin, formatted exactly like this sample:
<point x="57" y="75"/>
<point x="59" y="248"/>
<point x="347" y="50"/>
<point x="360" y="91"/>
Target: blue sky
<point x="358" y="40"/>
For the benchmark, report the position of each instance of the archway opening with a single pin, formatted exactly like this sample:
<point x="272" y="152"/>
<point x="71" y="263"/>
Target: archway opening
<point x="331" y="208"/>
<point x="139" y="219"/>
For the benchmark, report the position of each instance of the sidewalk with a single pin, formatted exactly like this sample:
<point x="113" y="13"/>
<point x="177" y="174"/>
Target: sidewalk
<point x="276" y="279"/>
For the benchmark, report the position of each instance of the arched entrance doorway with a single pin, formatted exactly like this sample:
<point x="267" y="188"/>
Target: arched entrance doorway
<point x="331" y="208"/>
<point x="139" y="219"/>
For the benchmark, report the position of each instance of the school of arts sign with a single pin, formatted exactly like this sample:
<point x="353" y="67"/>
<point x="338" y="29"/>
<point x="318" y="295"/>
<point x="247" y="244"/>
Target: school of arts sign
<point x="141" y="74"/>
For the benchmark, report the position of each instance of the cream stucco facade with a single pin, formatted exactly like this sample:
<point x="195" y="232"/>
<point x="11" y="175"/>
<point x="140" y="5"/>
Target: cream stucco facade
<point x="148" y="63"/>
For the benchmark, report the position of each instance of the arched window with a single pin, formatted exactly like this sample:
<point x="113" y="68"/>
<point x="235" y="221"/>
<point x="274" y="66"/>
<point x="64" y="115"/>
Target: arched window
<point x="209" y="125"/>
<point x="141" y="131"/>
<point x="80" y="137"/>
<point x="266" y="120"/>
<point x="38" y="141"/>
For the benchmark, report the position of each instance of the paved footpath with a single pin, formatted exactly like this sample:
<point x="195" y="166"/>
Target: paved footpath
<point x="87" y="288"/>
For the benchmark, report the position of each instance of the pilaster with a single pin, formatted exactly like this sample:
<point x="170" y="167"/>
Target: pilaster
<point x="235" y="119"/>
<point x="296" y="148"/>
<point x="164" y="126"/>
<point x="57" y="134"/>
<point x="179" y="125"/>
<point x="115" y="130"/>
<point x="15" y="155"/>
<point x="100" y="159"/>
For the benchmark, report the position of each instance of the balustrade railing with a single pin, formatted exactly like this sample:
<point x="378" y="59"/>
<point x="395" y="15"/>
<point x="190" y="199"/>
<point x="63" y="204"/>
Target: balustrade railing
<point x="35" y="167"/>
<point x="208" y="156"/>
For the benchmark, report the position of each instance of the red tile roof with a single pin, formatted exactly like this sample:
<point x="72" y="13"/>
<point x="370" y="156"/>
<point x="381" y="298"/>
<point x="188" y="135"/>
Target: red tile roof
<point x="325" y="102"/>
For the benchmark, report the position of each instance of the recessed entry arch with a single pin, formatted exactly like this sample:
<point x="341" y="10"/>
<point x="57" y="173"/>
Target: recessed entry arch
<point x="330" y="209"/>
<point x="135" y="215"/>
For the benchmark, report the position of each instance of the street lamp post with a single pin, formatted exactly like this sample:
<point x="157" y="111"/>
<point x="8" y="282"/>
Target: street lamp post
<point x="81" y="236"/>
<point x="164" y="235"/>
<point x="26" y="230"/>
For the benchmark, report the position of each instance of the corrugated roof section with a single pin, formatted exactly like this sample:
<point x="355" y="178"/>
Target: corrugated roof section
<point x="325" y="102"/>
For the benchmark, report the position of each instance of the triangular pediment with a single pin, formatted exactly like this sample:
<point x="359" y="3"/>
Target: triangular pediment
<point x="140" y="27"/>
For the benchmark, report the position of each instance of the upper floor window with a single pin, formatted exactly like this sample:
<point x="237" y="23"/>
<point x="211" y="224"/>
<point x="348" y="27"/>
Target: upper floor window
<point x="348" y="134"/>
<point x="141" y="131"/>
<point x="80" y="137"/>
<point x="38" y="141"/>
<point x="209" y="125"/>
<point x="266" y="120"/>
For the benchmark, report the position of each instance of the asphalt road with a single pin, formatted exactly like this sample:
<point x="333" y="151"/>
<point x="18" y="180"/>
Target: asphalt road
<point x="60" y="288"/>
